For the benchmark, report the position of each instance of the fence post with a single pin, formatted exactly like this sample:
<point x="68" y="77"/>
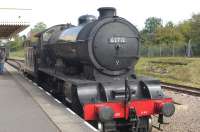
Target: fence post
<point x="160" y="50"/>
<point x="189" y="49"/>
<point x="173" y="49"/>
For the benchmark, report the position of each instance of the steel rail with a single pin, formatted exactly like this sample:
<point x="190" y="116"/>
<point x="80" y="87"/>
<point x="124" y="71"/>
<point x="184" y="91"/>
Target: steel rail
<point x="181" y="88"/>
<point x="16" y="63"/>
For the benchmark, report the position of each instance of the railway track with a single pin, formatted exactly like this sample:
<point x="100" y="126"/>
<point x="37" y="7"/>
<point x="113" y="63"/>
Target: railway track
<point x="16" y="63"/>
<point x="181" y="88"/>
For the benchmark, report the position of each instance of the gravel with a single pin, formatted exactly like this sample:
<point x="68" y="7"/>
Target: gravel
<point x="186" y="117"/>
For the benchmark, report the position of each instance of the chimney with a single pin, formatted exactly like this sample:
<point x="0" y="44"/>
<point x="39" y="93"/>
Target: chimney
<point x="105" y="12"/>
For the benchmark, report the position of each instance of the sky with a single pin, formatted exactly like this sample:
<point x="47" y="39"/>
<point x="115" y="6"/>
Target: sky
<point x="53" y="12"/>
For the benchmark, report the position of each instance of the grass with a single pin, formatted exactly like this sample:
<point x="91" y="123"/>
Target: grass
<point x="179" y="70"/>
<point x="19" y="54"/>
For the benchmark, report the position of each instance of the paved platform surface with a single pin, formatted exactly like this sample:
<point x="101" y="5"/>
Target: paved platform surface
<point x="18" y="111"/>
<point x="25" y="107"/>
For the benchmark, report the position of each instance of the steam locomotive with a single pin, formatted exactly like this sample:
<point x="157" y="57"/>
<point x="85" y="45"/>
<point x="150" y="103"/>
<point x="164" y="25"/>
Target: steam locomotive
<point x="91" y="67"/>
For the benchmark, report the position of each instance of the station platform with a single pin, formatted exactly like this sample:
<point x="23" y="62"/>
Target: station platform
<point x="26" y="107"/>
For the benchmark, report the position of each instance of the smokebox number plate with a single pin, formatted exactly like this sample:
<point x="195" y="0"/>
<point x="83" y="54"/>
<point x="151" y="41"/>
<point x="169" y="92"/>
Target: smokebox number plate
<point x="117" y="40"/>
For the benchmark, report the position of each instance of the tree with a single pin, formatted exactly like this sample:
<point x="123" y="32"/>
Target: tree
<point x="148" y="33"/>
<point x="40" y="26"/>
<point x="145" y="37"/>
<point x="185" y="29"/>
<point x="195" y="28"/>
<point x="152" y="23"/>
<point x="169" y="24"/>
<point x="168" y="35"/>
<point x="16" y="44"/>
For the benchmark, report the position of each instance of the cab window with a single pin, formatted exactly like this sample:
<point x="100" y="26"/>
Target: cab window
<point x="47" y="35"/>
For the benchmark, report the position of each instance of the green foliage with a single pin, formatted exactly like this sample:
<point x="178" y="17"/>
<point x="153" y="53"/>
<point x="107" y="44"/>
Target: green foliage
<point x="152" y="23"/>
<point x="148" y="33"/>
<point x="145" y="38"/>
<point x="169" y="24"/>
<point x="195" y="28"/>
<point x="18" y="54"/>
<point x="185" y="29"/>
<point x="40" y="26"/>
<point x="17" y="43"/>
<point x="179" y="70"/>
<point x="168" y="35"/>
<point x="16" y="46"/>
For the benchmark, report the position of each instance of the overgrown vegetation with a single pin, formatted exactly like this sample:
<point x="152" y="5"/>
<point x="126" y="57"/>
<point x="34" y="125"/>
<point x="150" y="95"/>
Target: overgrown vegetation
<point x="17" y="44"/>
<point x="18" y="54"/>
<point x="184" y="71"/>
<point x="187" y="32"/>
<point x="17" y="47"/>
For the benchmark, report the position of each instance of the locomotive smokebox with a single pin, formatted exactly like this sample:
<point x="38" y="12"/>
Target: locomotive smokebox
<point x="108" y="45"/>
<point x="106" y="12"/>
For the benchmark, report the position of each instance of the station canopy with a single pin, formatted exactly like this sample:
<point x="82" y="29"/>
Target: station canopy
<point x="13" y="21"/>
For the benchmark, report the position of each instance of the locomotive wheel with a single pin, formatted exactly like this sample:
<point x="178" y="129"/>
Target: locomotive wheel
<point x="100" y="126"/>
<point x="144" y="125"/>
<point x="106" y="126"/>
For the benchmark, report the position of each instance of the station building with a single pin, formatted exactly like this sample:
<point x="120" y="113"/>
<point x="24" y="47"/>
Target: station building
<point x="13" y="21"/>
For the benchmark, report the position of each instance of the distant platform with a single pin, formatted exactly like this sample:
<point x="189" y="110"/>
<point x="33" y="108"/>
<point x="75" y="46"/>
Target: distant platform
<point x="26" y="107"/>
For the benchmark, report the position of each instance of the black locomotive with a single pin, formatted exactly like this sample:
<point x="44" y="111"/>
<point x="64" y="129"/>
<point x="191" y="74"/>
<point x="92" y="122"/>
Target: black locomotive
<point x="91" y="67"/>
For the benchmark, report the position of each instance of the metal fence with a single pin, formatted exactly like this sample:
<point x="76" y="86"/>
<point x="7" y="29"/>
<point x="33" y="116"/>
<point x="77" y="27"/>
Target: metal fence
<point x="179" y="50"/>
